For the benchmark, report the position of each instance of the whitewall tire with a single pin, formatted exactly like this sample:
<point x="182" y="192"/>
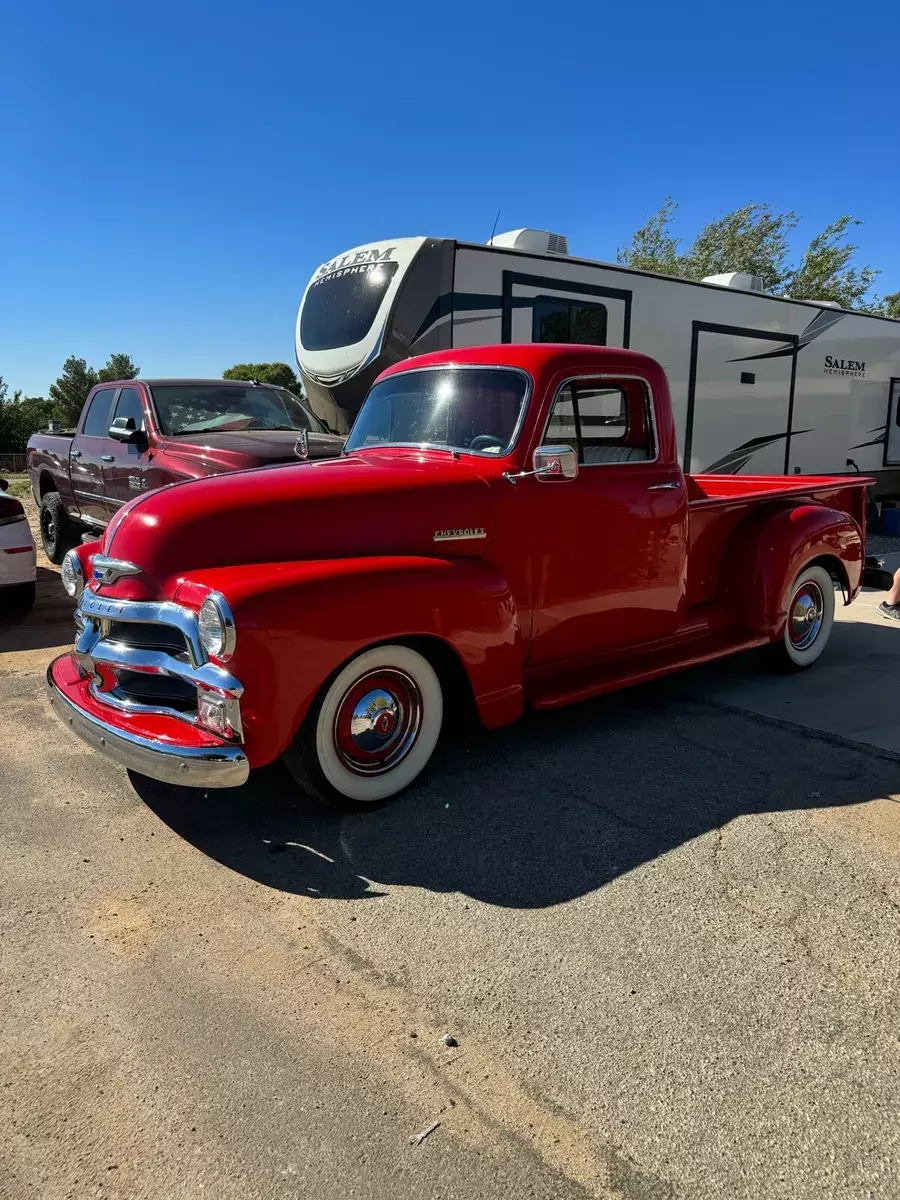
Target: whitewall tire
<point x="372" y="730"/>
<point x="810" y="619"/>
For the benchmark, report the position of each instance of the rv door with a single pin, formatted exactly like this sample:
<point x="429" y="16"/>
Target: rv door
<point x="892" y="444"/>
<point x="739" y="401"/>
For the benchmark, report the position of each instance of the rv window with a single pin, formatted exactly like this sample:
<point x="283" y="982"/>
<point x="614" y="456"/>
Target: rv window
<point x="568" y="321"/>
<point x="339" y="308"/>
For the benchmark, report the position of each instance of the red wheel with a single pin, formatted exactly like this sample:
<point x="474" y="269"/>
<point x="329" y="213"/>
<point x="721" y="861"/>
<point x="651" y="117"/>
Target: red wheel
<point x="372" y="730"/>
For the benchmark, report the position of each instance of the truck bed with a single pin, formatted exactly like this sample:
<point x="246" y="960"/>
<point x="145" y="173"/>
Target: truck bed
<point x="49" y="452"/>
<point x="719" y="503"/>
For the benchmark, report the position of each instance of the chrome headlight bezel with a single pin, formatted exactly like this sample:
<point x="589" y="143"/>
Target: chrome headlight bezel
<point x="215" y="624"/>
<point x="72" y="575"/>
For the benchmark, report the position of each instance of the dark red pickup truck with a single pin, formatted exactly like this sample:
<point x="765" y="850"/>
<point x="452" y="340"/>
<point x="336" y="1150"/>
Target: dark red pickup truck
<point x="139" y="434"/>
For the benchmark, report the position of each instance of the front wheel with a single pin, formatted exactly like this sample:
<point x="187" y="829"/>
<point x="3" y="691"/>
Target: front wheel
<point x="810" y="618"/>
<point x="371" y="730"/>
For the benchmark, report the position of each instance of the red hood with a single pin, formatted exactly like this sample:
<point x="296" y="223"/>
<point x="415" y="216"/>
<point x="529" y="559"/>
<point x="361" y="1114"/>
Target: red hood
<point x="360" y="505"/>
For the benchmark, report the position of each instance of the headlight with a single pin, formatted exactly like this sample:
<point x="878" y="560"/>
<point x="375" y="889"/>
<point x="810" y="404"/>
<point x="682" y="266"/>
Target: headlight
<point x="217" y="635"/>
<point x="72" y="576"/>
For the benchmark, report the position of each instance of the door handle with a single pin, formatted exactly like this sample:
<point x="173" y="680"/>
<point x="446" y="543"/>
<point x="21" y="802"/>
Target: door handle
<point x="107" y="458"/>
<point x="75" y="454"/>
<point x="664" y="487"/>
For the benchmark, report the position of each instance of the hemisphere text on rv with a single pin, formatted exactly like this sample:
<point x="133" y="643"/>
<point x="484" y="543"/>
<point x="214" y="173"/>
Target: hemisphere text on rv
<point x="760" y="383"/>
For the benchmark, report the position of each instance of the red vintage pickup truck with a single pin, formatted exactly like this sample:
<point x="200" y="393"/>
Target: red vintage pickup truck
<point x="507" y="526"/>
<point x="138" y="434"/>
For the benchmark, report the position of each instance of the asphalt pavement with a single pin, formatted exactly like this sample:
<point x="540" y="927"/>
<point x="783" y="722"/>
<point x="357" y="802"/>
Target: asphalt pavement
<point x="663" y="934"/>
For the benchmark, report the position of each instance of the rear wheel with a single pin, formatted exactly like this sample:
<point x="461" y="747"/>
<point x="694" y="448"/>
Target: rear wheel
<point x="810" y="617"/>
<point x="58" y="534"/>
<point x="371" y="730"/>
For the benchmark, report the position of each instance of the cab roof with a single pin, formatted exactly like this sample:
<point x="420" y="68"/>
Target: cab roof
<point x="536" y="358"/>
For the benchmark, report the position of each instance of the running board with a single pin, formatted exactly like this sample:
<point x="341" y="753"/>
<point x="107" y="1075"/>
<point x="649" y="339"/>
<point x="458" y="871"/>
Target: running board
<point x="640" y="668"/>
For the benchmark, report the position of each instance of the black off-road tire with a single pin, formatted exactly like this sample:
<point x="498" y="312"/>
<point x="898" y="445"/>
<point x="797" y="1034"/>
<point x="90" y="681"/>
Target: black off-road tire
<point x="58" y="534"/>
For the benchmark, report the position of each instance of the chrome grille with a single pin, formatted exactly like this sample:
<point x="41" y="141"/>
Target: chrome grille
<point x="146" y="656"/>
<point x="156" y="691"/>
<point x="144" y="636"/>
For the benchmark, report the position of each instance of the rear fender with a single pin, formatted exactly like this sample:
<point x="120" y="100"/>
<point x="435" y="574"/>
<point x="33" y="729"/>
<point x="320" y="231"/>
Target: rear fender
<point x="298" y="623"/>
<point x="768" y="552"/>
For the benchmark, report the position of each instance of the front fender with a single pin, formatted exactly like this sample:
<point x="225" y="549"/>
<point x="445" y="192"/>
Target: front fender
<point x="298" y="622"/>
<point x="767" y="553"/>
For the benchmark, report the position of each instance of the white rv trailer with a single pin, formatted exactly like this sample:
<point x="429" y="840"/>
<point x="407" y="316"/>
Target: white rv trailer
<point x="759" y="382"/>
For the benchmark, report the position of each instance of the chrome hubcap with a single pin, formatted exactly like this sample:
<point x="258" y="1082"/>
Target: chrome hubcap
<point x="806" y="616"/>
<point x="377" y="721"/>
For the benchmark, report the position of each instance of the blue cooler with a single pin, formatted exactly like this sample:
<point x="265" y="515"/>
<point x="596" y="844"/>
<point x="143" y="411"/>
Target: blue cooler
<point x="890" y="521"/>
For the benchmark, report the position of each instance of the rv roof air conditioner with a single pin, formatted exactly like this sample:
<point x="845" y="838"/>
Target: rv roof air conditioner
<point x="736" y="279"/>
<point x="537" y="241"/>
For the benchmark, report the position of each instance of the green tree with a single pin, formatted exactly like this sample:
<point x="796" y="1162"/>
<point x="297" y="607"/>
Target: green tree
<point x="20" y="418"/>
<point x="890" y="306"/>
<point x="825" y="272"/>
<point x="118" y="366"/>
<point x="752" y="239"/>
<point x="755" y="239"/>
<point x="71" y="390"/>
<point x="654" y="247"/>
<point x="278" y="373"/>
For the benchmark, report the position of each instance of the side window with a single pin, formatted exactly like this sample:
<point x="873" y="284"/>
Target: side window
<point x="603" y="422"/>
<point x="98" y="418"/>
<point x="568" y="321"/>
<point x="604" y="415"/>
<point x="129" y="405"/>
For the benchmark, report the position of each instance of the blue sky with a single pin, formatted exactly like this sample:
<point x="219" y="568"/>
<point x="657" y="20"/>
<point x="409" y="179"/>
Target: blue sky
<point x="172" y="173"/>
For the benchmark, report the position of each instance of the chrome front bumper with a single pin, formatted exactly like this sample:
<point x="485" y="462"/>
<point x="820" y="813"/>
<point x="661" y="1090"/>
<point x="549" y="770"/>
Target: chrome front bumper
<point x="189" y="766"/>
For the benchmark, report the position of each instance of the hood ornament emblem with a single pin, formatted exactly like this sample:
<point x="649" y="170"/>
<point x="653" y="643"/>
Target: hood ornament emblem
<point x="301" y="446"/>
<point x="108" y="571"/>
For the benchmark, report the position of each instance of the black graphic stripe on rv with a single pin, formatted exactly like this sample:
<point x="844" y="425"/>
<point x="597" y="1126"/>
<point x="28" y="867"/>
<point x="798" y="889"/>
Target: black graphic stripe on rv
<point x="881" y="430"/>
<point x="732" y="462"/>
<point x="457" y="302"/>
<point x="820" y="324"/>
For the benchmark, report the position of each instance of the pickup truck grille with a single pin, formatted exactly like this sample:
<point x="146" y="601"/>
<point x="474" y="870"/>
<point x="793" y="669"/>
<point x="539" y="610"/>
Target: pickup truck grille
<point x="147" y="657"/>
<point x="144" y="636"/>
<point x="156" y="691"/>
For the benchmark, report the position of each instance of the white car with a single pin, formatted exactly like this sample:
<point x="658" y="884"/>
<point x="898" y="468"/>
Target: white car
<point x="18" y="568"/>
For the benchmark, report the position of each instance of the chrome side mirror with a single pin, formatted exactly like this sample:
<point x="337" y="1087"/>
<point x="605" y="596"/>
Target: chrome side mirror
<point x="555" y="462"/>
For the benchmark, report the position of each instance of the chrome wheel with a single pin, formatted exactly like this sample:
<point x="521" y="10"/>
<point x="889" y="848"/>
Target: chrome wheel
<point x="377" y="721"/>
<point x="806" y="615"/>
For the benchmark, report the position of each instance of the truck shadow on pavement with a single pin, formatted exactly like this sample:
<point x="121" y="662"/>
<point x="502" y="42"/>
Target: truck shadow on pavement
<point x="49" y="623"/>
<point x="536" y="814"/>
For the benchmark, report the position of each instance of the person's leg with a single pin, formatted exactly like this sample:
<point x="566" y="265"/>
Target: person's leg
<point x="891" y="607"/>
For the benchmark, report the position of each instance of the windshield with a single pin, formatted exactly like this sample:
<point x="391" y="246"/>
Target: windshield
<point x="454" y="408"/>
<point x="217" y="408"/>
<point x="339" y="308"/>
